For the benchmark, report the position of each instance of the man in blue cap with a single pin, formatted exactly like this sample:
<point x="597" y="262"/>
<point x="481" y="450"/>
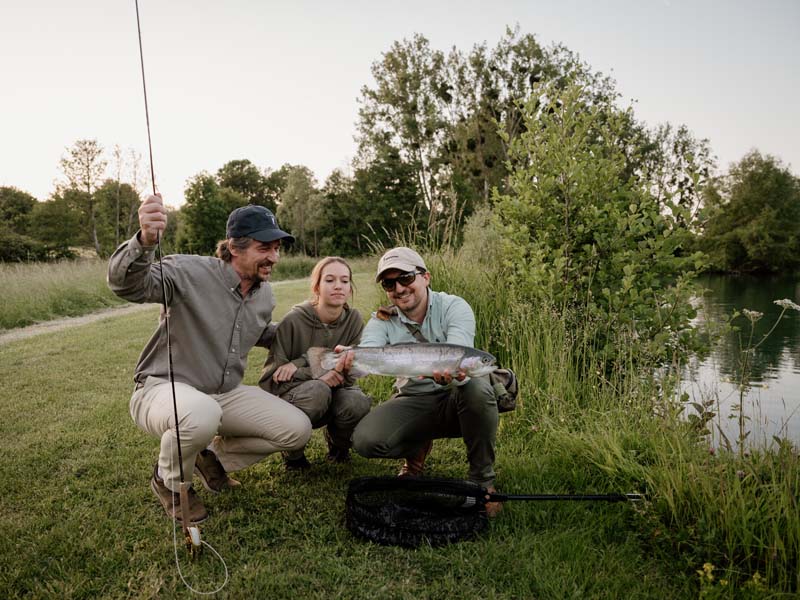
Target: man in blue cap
<point x="219" y="308"/>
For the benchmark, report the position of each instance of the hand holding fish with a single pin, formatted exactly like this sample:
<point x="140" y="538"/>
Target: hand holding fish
<point x="333" y="378"/>
<point x="345" y="361"/>
<point x="445" y="377"/>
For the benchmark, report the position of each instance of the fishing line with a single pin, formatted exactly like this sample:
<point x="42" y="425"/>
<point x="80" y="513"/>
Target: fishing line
<point x="192" y="532"/>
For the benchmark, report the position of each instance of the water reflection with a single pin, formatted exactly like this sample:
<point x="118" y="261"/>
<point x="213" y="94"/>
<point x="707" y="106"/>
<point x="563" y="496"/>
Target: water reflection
<point x="772" y="401"/>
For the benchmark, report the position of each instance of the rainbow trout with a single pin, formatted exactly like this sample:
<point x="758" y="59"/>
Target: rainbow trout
<point x="406" y="360"/>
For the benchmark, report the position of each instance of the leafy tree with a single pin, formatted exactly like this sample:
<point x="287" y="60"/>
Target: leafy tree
<point x="205" y="214"/>
<point x="84" y="166"/>
<point x="244" y="177"/>
<point x="583" y="236"/>
<point x="373" y="208"/>
<point x="57" y="222"/>
<point x="15" y="209"/>
<point x="301" y="207"/>
<point x="275" y="182"/>
<point x="445" y="113"/>
<point x="752" y="217"/>
<point x="114" y="201"/>
<point x="15" y="247"/>
<point x="406" y="109"/>
<point x="675" y="166"/>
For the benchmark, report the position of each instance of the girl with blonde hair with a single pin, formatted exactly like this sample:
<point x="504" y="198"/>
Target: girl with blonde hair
<point x="331" y="400"/>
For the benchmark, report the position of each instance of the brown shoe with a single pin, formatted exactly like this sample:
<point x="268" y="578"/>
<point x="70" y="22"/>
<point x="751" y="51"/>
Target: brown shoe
<point x="415" y="465"/>
<point x="172" y="501"/>
<point x="336" y="454"/>
<point x="493" y="508"/>
<point x="212" y="473"/>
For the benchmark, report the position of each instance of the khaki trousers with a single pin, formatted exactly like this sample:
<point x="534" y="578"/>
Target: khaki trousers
<point x="251" y="424"/>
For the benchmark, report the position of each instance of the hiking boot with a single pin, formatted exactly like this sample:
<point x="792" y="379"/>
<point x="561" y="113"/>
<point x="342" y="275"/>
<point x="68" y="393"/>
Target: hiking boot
<point x="212" y="473"/>
<point x="336" y="454"/>
<point x="172" y="501"/>
<point x="493" y="508"/>
<point x="415" y="465"/>
<point x="299" y="463"/>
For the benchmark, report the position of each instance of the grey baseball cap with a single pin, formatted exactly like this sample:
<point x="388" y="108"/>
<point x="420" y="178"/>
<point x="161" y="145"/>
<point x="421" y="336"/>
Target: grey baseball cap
<point x="400" y="258"/>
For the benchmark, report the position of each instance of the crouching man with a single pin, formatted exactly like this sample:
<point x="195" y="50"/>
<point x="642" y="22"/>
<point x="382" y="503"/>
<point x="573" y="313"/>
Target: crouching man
<point x="219" y="308"/>
<point x="421" y="410"/>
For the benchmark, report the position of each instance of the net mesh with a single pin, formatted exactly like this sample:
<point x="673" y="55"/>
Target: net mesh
<point x="409" y="511"/>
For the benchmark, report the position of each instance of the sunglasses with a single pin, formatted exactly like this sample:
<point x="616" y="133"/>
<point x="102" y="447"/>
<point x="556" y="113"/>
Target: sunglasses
<point x="406" y="279"/>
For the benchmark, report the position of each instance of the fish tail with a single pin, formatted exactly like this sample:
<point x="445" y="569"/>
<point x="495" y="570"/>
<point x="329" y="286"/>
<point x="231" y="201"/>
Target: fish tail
<point x="316" y="361"/>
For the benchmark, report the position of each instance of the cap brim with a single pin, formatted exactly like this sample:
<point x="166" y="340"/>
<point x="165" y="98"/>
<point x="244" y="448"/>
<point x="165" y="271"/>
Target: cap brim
<point x="405" y="267"/>
<point x="270" y="235"/>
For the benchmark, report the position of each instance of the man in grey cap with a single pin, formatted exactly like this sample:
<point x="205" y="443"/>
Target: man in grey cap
<point x="219" y="308"/>
<point x="421" y="410"/>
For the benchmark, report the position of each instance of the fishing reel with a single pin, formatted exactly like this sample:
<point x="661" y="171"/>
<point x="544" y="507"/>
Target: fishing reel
<point x="191" y="532"/>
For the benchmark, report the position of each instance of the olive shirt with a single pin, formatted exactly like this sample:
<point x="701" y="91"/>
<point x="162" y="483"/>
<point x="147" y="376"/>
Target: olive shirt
<point x="213" y="328"/>
<point x="449" y="319"/>
<point x="300" y="330"/>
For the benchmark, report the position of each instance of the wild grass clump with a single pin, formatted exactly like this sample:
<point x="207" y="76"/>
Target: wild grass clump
<point x="293" y="266"/>
<point x="35" y="292"/>
<point x="620" y="430"/>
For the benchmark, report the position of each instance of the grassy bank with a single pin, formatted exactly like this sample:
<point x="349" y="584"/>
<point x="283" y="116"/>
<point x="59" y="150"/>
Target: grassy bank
<point x="37" y="292"/>
<point x="79" y="520"/>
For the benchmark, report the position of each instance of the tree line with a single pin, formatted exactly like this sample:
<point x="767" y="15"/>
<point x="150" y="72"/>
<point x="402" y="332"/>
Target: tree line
<point x="435" y="135"/>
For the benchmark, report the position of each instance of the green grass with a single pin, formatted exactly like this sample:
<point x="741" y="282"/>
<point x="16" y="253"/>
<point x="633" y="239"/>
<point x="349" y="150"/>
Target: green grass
<point x="78" y="519"/>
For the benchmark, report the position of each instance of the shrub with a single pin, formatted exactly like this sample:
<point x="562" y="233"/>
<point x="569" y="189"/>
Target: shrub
<point x="582" y="234"/>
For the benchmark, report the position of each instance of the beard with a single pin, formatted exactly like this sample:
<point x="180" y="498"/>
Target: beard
<point x="258" y="274"/>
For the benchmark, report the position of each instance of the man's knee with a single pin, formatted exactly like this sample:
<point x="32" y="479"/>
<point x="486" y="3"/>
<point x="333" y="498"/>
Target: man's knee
<point x="200" y="418"/>
<point x="367" y="444"/>
<point x="477" y="395"/>
<point x="295" y="431"/>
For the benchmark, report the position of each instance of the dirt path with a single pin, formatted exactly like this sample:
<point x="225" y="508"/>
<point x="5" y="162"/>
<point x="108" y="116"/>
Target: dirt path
<point x="59" y="324"/>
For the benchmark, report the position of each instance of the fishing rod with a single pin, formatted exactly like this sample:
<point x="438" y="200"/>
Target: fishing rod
<point x="194" y="542"/>
<point x="191" y="531"/>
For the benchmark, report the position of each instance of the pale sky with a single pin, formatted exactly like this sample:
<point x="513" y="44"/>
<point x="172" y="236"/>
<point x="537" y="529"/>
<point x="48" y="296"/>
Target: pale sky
<point x="277" y="81"/>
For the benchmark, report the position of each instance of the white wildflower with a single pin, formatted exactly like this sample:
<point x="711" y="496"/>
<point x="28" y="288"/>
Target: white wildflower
<point x="786" y="303"/>
<point x="753" y="315"/>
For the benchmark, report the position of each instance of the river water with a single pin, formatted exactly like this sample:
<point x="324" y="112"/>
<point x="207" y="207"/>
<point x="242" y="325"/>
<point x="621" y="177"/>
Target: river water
<point x="771" y="400"/>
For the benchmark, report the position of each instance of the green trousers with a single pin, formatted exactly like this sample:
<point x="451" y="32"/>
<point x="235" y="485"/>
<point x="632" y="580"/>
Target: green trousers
<point x="400" y="426"/>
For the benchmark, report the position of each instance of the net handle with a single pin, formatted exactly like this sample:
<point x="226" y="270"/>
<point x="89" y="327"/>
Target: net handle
<point x="495" y="497"/>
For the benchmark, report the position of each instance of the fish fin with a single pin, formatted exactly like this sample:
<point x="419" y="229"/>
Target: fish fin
<point x="356" y="372"/>
<point x="315" y="356"/>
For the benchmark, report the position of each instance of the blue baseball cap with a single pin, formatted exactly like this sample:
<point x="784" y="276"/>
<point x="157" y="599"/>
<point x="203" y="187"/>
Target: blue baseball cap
<point x="255" y="222"/>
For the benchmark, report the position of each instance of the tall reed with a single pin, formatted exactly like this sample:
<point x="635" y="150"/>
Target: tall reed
<point x="623" y="430"/>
